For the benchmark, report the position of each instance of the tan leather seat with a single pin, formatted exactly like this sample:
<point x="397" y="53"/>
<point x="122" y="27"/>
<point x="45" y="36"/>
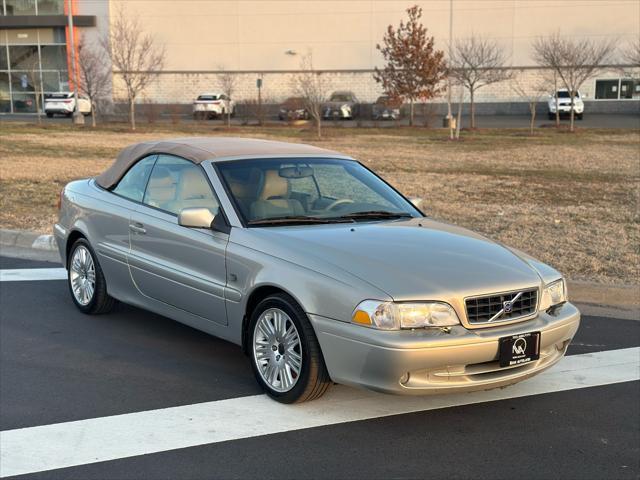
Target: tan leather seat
<point x="273" y="199"/>
<point x="193" y="191"/>
<point x="161" y="189"/>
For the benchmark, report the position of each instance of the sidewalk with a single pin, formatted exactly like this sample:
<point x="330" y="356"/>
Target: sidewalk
<point x="598" y="299"/>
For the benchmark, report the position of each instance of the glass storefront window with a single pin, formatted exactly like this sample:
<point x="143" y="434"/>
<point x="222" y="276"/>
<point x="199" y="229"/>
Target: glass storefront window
<point x="21" y="82"/>
<point x="20" y="7"/>
<point x="3" y="58"/>
<point x="55" y="81"/>
<point x="23" y="57"/>
<point x="4" y="83"/>
<point x="607" y="89"/>
<point x="50" y="7"/>
<point x="54" y="57"/>
<point x="24" y="103"/>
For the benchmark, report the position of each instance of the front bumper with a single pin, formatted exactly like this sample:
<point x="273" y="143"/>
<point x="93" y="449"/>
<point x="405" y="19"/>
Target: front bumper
<point x="432" y="361"/>
<point x="566" y="109"/>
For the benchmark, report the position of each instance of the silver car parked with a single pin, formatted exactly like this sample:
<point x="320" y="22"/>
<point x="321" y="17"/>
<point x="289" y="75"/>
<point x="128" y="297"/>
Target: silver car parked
<point x="319" y="269"/>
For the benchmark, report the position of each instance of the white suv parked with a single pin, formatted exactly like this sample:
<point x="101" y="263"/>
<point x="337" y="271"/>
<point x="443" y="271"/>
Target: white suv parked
<point x="564" y="104"/>
<point x="64" y="103"/>
<point x="210" y="105"/>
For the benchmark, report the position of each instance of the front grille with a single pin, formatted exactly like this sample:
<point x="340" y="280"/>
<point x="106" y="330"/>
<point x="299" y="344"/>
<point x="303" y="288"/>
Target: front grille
<point x="483" y="309"/>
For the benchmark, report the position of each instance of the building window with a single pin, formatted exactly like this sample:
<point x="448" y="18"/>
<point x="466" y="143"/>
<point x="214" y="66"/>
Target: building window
<point x="54" y="57"/>
<point x="618" y="89"/>
<point x="23" y="57"/>
<point x="4" y="64"/>
<point x="20" y="7"/>
<point x="50" y="7"/>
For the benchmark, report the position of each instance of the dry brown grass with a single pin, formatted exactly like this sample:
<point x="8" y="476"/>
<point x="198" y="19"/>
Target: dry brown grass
<point x="570" y="200"/>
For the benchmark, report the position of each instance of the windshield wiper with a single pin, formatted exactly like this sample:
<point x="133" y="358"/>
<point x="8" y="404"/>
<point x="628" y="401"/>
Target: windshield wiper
<point x="375" y="215"/>
<point x="295" y="220"/>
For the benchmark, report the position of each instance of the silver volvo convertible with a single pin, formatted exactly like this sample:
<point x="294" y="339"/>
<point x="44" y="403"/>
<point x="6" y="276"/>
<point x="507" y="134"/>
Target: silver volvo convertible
<point x="320" y="270"/>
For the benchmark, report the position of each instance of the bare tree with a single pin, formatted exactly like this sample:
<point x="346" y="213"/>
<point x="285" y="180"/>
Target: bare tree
<point x="630" y="57"/>
<point x="631" y="53"/>
<point x="309" y="85"/>
<point x="135" y="54"/>
<point x="228" y="84"/>
<point x="94" y="76"/>
<point x="573" y="60"/>
<point x="531" y="92"/>
<point x="478" y="61"/>
<point x="414" y="69"/>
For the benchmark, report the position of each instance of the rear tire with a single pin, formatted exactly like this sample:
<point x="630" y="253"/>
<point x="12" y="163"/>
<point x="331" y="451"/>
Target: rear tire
<point x="86" y="281"/>
<point x="49" y="115"/>
<point x="281" y="339"/>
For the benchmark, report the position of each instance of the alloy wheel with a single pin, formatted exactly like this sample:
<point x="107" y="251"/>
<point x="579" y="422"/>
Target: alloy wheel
<point x="82" y="275"/>
<point x="277" y="350"/>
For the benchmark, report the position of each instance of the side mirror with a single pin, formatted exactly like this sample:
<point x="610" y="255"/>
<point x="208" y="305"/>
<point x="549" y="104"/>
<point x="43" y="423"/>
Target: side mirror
<point x="196" y="217"/>
<point x="416" y="201"/>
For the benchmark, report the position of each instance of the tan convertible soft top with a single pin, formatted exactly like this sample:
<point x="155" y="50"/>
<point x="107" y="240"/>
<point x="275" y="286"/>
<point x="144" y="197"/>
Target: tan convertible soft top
<point x="199" y="149"/>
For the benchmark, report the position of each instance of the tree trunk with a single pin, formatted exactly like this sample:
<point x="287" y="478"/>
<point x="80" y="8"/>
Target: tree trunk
<point x="132" y="112"/>
<point x="532" y="108"/>
<point x="572" y="113"/>
<point x="38" y="108"/>
<point x="459" y="116"/>
<point x="557" y="101"/>
<point x="319" y="126"/>
<point x="229" y="117"/>
<point x="93" y="115"/>
<point x="473" y="108"/>
<point x="411" y="113"/>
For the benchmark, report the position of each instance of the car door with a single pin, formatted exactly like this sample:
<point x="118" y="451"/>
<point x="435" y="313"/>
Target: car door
<point x="180" y="266"/>
<point x="110" y="226"/>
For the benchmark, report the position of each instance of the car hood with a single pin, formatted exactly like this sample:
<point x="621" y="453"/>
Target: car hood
<point x="415" y="259"/>
<point x="337" y="104"/>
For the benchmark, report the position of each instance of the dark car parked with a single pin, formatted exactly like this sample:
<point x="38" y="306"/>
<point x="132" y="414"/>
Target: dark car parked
<point x="341" y="105"/>
<point x="293" y="109"/>
<point x="386" y="108"/>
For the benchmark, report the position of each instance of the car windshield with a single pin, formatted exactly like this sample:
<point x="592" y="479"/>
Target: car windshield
<point x="565" y="94"/>
<point x="340" y="97"/>
<point x="208" y="97"/>
<point x="306" y="191"/>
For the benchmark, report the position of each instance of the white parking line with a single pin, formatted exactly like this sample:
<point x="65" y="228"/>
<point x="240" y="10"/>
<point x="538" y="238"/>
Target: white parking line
<point x="32" y="274"/>
<point x="49" y="447"/>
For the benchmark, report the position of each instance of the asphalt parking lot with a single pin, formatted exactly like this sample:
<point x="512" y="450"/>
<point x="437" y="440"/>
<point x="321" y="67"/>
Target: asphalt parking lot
<point x="595" y="120"/>
<point x="135" y="395"/>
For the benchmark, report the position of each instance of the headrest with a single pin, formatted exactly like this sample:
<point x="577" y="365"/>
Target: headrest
<point x="274" y="186"/>
<point x="193" y="185"/>
<point x="160" y="178"/>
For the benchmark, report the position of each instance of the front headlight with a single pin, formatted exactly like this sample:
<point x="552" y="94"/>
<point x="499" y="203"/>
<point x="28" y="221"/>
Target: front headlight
<point x="553" y="294"/>
<point x="394" y="316"/>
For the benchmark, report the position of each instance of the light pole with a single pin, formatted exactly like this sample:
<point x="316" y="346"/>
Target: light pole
<point x="449" y="113"/>
<point x="78" y="118"/>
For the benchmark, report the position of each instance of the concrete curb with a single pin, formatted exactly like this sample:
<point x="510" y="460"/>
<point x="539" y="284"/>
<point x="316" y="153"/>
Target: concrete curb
<point x="24" y="239"/>
<point x="595" y="297"/>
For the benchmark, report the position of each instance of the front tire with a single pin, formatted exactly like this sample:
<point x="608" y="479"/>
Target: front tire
<point x="286" y="356"/>
<point x="86" y="281"/>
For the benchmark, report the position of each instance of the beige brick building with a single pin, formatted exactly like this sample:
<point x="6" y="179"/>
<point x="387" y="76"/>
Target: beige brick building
<point x="267" y="38"/>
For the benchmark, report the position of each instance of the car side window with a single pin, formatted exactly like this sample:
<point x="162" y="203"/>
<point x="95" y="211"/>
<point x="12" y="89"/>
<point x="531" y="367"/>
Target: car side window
<point x="176" y="183"/>
<point x="134" y="182"/>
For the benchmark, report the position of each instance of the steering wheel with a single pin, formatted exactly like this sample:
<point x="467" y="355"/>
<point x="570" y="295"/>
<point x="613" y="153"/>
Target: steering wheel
<point x="342" y="201"/>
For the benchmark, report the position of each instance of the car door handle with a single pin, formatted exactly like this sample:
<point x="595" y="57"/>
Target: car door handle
<point x="137" y="228"/>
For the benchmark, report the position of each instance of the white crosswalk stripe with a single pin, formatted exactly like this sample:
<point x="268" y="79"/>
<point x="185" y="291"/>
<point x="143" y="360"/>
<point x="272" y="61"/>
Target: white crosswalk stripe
<point x="49" y="447"/>
<point x="32" y="274"/>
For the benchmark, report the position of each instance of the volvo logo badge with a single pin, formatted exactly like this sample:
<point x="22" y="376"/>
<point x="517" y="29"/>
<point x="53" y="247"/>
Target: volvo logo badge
<point x="519" y="346"/>
<point x="507" y="307"/>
